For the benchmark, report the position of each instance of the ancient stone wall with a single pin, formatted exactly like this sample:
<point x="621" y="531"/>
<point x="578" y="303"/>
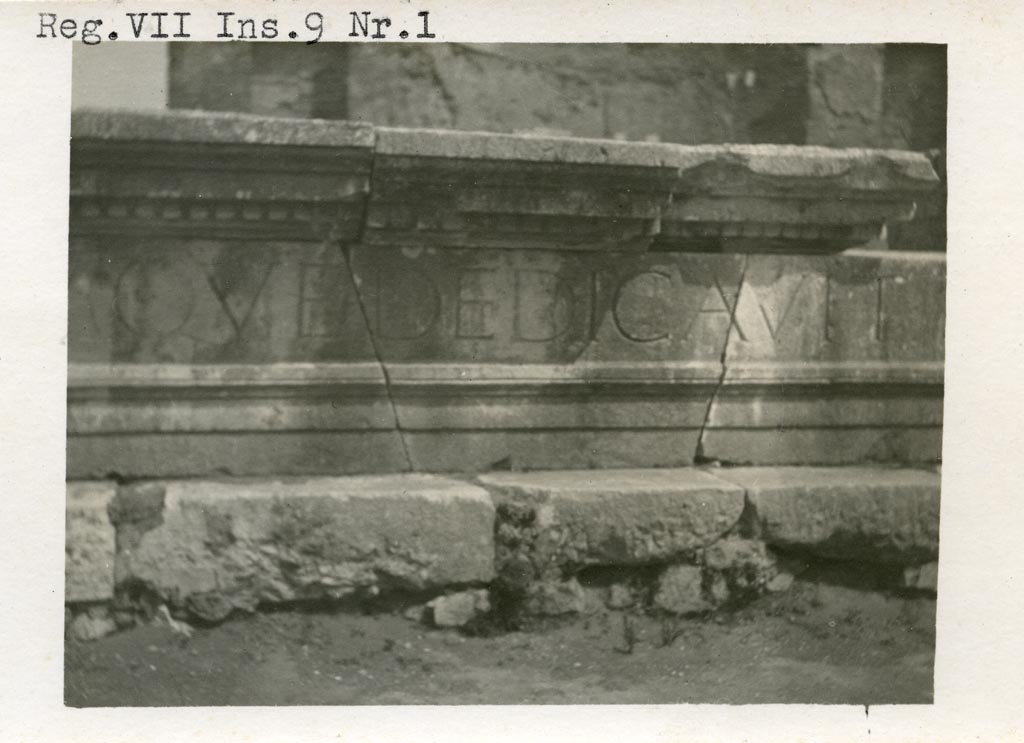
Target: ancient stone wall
<point x="843" y="95"/>
<point x="466" y="300"/>
<point x="836" y="95"/>
<point x="282" y="299"/>
<point x="688" y="93"/>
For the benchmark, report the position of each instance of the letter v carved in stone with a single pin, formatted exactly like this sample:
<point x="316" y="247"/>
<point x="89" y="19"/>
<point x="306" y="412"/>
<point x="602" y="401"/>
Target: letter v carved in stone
<point x="238" y="298"/>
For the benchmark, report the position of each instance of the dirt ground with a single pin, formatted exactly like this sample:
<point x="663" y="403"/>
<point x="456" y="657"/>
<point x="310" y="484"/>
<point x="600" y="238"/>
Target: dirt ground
<point x="815" y="643"/>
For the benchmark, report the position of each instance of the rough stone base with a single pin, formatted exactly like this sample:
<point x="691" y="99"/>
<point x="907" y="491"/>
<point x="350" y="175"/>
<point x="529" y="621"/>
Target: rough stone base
<point x="282" y="540"/>
<point x="89" y="542"/>
<point x="547" y="543"/>
<point x="847" y="513"/>
<point x="568" y="520"/>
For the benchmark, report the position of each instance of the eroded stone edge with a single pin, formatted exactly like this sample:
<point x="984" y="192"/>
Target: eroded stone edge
<point x="753" y="519"/>
<point x="93" y="497"/>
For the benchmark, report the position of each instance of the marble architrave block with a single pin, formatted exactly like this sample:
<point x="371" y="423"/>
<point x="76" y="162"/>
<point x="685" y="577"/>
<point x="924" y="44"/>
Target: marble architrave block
<point x="259" y="296"/>
<point x="834" y="360"/>
<point x="465" y="359"/>
<point x="217" y="176"/>
<point x="453" y="189"/>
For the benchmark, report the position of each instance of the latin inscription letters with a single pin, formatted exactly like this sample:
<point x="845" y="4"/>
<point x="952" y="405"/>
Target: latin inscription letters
<point x="544" y="306"/>
<point x="641" y="306"/>
<point x="474" y="306"/>
<point x="716" y="303"/>
<point x="258" y="299"/>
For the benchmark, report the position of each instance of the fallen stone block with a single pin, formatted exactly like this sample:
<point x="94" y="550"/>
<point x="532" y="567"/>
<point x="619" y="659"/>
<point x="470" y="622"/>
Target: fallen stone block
<point x="563" y="521"/>
<point x="737" y="569"/>
<point x="846" y="513"/>
<point x="86" y="627"/>
<point x="680" y="590"/>
<point x="556" y="598"/>
<point x="780" y="583"/>
<point x="458" y="609"/>
<point x="619" y="597"/>
<point x="265" y="541"/>
<point x="89" y="542"/>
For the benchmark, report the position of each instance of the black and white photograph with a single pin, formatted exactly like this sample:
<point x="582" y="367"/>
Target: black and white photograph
<point x="504" y="373"/>
<point x="439" y="371"/>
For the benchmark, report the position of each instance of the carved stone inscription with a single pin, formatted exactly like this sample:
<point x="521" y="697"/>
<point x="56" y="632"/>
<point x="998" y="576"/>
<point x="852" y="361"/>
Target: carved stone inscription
<point x="533" y="306"/>
<point x="190" y="301"/>
<point x="195" y="302"/>
<point x="866" y="307"/>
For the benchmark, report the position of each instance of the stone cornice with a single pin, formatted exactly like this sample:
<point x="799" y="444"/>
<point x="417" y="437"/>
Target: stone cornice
<point x="187" y="173"/>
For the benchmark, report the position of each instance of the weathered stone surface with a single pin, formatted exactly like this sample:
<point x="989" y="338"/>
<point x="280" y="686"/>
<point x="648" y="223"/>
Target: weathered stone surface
<point x="823" y="446"/>
<point x="537" y="448"/>
<point x="267" y="540"/>
<point x="737" y="569"/>
<point x="454" y="338"/>
<point x="767" y="198"/>
<point x="554" y="598"/>
<point x="214" y="607"/>
<point x="849" y="168"/>
<point x="861" y="306"/>
<point x="849" y="513"/>
<point x="89" y="542"/>
<point x="545" y="307"/>
<point x="210" y="127"/>
<point x="855" y="169"/>
<point x="214" y="176"/>
<point x="474" y="190"/>
<point x="838" y="95"/>
<point x="196" y="301"/>
<point x="135" y="509"/>
<point x="86" y="628"/>
<point x="691" y="93"/>
<point x="845" y="93"/>
<point x="619" y="597"/>
<point x="454" y="145"/>
<point x="680" y="590"/>
<point x="457" y="609"/>
<point x="471" y="189"/>
<point x="780" y="583"/>
<point x="233" y="453"/>
<point x="416" y="613"/>
<point x="154" y="420"/>
<point x="833" y="361"/>
<point x="562" y="521"/>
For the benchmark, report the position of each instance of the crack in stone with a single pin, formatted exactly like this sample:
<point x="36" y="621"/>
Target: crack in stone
<point x="699" y="454"/>
<point x="347" y="255"/>
<point x="381" y="364"/>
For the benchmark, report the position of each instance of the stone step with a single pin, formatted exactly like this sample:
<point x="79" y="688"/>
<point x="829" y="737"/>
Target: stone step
<point x="89" y="542"/>
<point x="215" y="545"/>
<point x="563" y="521"/>
<point x="237" y="543"/>
<point x="874" y="514"/>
